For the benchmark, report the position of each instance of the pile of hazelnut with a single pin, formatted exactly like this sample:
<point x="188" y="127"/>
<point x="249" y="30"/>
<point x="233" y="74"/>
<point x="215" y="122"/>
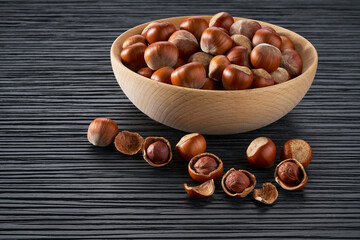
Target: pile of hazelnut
<point x="206" y="167"/>
<point x="220" y="54"/>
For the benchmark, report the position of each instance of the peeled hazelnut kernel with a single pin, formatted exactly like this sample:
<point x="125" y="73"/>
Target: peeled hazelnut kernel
<point x="210" y="84"/>
<point x="133" y="56"/>
<point x="290" y="175"/>
<point x="160" y="32"/>
<point x="205" y="169"/>
<point x="203" y="190"/>
<point x="280" y="75"/>
<point x="266" y="56"/>
<point x="196" y="25"/>
<point x="144" y="31"/>
<point x="297" y="149"/>
<point x="242" y="40"/>
<point x="221" y="19"/>
<point x="261" y="152"/>
<point x="157" y="151"/>
<point x="163" y="75"/>
<point x="203" y="58"/>
<point x="161" y="54"/>
<point x="215" y="41"/>
<point x="269" y="29"/>
<point x="237" y="77"/>
<point x="145" y="71"/>
<point x="128" y="143"/>
<point x="191" y="75"/>
<point x="102" y="131"/>
<point x="134" y="39"/>
<point x="217" y="66"/>
<point x="238" y="183"/>
<point x="266" y="36"/>
<point x="185" y="42"/>
<point x="191" y="145"/>
<point x="239" y="55"/>
<point x="267" y="194"/>
<point x="261" y="78"/>
<point x="291" y="60"/>
<point x="245" y="27"/>
<point x="286" y="43"/>
<point x="179" y="63"/>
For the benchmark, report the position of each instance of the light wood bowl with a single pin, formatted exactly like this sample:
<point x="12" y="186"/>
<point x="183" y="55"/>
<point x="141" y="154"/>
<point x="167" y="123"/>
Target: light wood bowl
<point x="219" y="111"/>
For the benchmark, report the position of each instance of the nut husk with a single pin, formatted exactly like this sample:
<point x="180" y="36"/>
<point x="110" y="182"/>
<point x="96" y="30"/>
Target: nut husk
<point x="243" y="193"/>
<point x="150" y="140"/>
<point x="205" y="177"/>
<point x="128" y="143"/>
<point x="203" y="190"/>
<point x="267" y="194"/>
<point x="298" y="185"/>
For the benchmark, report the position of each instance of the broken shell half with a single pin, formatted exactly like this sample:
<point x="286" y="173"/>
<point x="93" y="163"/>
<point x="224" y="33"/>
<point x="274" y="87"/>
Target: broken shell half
<point x="128" y="143"/>
<point x="267" y="194"/>
<point x="203" y="190"/>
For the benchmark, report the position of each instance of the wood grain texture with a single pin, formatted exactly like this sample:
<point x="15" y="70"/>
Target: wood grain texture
<point x="56" y="76"/>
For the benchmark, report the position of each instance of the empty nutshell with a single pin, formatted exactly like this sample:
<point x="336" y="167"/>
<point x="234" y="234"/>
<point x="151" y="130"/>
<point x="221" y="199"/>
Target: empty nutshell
<point x="267" y="194"/>
<point x="128" y="143"/>
<point x="203" y="190"/>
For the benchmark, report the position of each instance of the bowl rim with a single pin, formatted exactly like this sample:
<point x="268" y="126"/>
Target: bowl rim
<point x="117" y="42"/>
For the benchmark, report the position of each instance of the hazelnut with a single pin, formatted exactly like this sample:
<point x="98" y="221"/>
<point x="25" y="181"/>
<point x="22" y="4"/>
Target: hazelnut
<point x="191" y="75"/>
<point x="157" y="151"/>
<point x="215" y="41"/>
<point x="266" y="56"/>
<point x="210" y="84"/>
<point x="261" y="152"/>
<point x="217" y="66"/>
<point x="209" y="167"/>
<point x="134" y="39"/>
<point x="269" y="29"/>
<point x="160" y="32"/>
<point x="145" y="71"/>
<point x="161" y="54"/>
<point x="267" y="194"/>
<point x="237" y="77"/>
<point x="133" y="56"/>
<point x="203" y="190"/>
<point x="128" y="143"/>
<point x="290" y="175"/>
<point x="144" y="31"/>
<point x="196" y="25"/>
<point x="163" y="75"/>
<point x="297" y="149"/>
<point x="185" y="42"/>
<point x="245" y="27"/>
<point x="102" y="131"/>
<point x="291" y="60"/>
<point x="238" y="55"/>
<point x="238" y="183"/>
<point x="286" y="43"/>
<point x="266" y="36"/>
<point x="191" y="145"/>
<point x="203" y="58"/>
<point x="261" y="78"/>
<point x="280" y="75"/>
<point x="179" y="63"/>
<point x="241" y="40"/>
<point x="222" y="19"/>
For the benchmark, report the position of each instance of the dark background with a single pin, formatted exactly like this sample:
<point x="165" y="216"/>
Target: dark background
<point x="55" y="77"/>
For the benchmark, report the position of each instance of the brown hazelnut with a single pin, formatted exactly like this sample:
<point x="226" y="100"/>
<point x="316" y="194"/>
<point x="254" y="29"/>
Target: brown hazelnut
<point x="145" y="71"/>
<point x="297" y="149"/>
<point x="238" y="183"/>
<point x="266" y="56"/>
<point x="222" y="19"/>
<point x="209" y="167"/>
<point x="286" y="43"/>
<point x="215" y="41"/>
<point x="191" y="145"/>
<point x="203" y="58"/>
<point x="144" y="31"/>
<point x="157" y="151"/>
<point x="179" y="63"/>
<point x="161" y="54"/>
<point x="217" y="66"/>
<point x="102" y="131"/>
<point x="160" y="32"/>
<point x="163" y="75"/>
<point x="134" y="39"/>
<point x="191" y="75"/>
<point x="128" y="143"/>
<point x="210" y="84"/>
<point x="185" y="42"/>
<point x="239" y="55"/>
<point x="290" y="175"/>
<point x="261" y="78"/>
<point x="203" y="190"/>
<point x="196" y="25"/>
<point x="245" y="27"/>
<point x="266" y="36"/>
<point x="133" y="56"/>
<point x="269" y="29"/>
<point x="237" y="77"/>
<point x="241" y="40"/>
<point x="267" y="194"/>
<point x="291" y="60"/>
<point x="280" y="75"/>
<point x="261" y="152"/>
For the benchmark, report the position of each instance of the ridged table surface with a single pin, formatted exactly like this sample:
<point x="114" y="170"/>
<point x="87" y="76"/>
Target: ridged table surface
<point x="55" y="77"/>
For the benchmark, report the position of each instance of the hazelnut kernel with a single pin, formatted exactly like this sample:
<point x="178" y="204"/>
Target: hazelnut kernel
<point x="237" y="181"/>
<point x="205" y="165"/>
<point x="288" y="172"/>
<point x="158" y="152"/>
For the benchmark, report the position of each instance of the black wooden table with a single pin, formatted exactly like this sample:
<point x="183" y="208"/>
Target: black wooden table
<point x="55" y="77"/>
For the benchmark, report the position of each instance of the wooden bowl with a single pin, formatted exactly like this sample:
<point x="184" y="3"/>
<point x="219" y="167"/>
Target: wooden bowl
<point x="214" y="111"/>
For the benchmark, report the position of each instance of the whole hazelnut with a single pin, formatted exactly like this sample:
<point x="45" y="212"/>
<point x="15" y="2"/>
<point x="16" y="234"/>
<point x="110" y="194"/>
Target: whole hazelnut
<point x="261" y="78"/>
<point x="242" y="40"/>
<point x="237" y="181"/>
<point x="261" y="152"/>
<point x="205" y="165"/>
<point x="210" y="84"/>
<point x="158" y="152"/>
<point x="237" y="77"/>
<point x="215" y="41"/>
<point x="266" y="36"/>
<point x="145" y="71"/>
<point x="217" y="66"/>
<point x="144" y="31"/>
<point x="102" y="131"/>
<point x="266" y="56"/>
<point x="238" y="55"/>
<point x="179" y="63"/>
<point x="134" y="39"/>
<point x="297" y="149"/>
<point x="161" y="54"/>
<point x="191" y="75"/>
<point x="269" y="29"/>
<point x="203" y="58"/>
<point x="291" y="60"/>
<point x="185" y="42"/>
<point x="286" y="43"/>
<point x="196" y="25"/>
<point x="288" y="172"/>
<point x="280" y="75"/>
<point x="163" y="75"/>
<point x="191" y="145"/>
<point x="245" y="27"/>
<point x="133" y="56"/>
<point x="222" y="19"/>
<point x="160" y="32"/>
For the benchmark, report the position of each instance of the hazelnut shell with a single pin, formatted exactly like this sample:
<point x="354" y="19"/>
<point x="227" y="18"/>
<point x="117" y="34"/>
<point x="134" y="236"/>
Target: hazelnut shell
<point x="203" y="190"/>
<point x="292" y="187"/>
<point x="297" y="149"/>
<point x="150" y="140"/>
<point x="246" y="190"/>
<point x="190" y="145"/>
<point x="267" y="194"/>
<point x="202" y="177"/>
<point x="128" y="143"/>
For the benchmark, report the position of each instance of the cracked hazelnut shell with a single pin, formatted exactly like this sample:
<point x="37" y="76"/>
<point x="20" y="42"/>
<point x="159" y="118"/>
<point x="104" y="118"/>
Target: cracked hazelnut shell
<point x="205" y="177"/>
<point x="267" y="194"/>
<point x="246" y="191"/>
<point x="203" y="190"/>
<point x="150" y="140"/>
<point x="190" y="145"/>
<point x="297" y="149"/>
<point x="128" y="143"/>
<point x="303" y="178"/>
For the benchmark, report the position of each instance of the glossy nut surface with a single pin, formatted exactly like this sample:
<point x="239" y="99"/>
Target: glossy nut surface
<point x="134" y="39"/>
<point x="145" y="71"/>
<point x="191" y="75"/>
<point x="144" y="31"/>
<point x="237" y="77"/>
<point x="266" y="36"/>
<point x="280" y="75"/>
<point x="217" y="66"/>
<point x="163" y="75"/>
<point x="191" y="145"/>
<point x="179" y="63"/>
<point x="242" y="40"/>
<point x="161" y="54"/>
<point x="266" y="56"/>
<point x="203" y="190"/>
<point x="246" y="191"/>
<point x="102" y="131"/>
<point x="133" y="56"/>
<point x="155" y="156"/>
<point x="261" y="78"/>
<point x="210" y="84"/>
<point x="245" y="27"/>
<point x="297" y="185"/>
<point x="128" y="143"/>
<point x="239" y="55"/>
<point x="286" y="43"/>
<point x="297" y="149"/>
<point x="196" y="25"/>
<point x="267" y="194"/>
<point x="215" y="41"/>
<point x="261" y="152"/>
<point x="291" y="60"/>
<point x="222" y="19"/>
<point x="203" y="58"/>
<point x="160" y="32"/>
<point x="237" y="181"/>
<point x="205" y="177"/>
<point x="186" y="43"/>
